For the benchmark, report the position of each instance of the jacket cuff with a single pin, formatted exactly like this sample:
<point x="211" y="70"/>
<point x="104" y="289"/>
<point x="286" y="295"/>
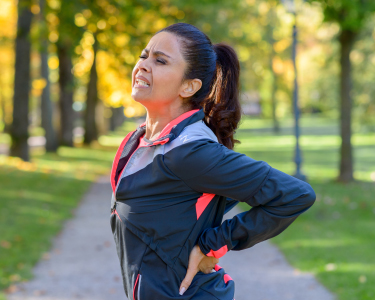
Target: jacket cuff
<point x="206" y="250"/>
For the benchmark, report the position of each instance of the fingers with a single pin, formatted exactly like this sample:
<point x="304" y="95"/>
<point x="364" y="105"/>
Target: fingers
<point x="207" y="270"/>
<point x="191" y="272"/>
<point x="195" y="258"/>
<point x="207" y="264"/>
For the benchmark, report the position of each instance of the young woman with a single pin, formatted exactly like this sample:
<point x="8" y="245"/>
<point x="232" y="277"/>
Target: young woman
<point x="176" y="174"/>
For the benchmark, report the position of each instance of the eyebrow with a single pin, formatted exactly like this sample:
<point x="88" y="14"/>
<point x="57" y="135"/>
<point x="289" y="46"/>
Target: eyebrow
<point x="156" y="53"/>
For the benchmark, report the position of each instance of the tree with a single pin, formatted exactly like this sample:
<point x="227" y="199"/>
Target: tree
<point x="66" y="84"/>
<point x="19" y="129"/>
<point x="46" y="104"/>
<point x="91" y="131"/>
<point x="351" y="17"/>
<point x="69" y="36"/>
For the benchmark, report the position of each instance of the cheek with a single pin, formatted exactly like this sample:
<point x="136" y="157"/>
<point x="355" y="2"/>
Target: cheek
<point x="170" y="79"/>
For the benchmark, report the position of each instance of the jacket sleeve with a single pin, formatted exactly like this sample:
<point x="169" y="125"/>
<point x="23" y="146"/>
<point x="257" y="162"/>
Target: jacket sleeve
<point x="276" y="198"/>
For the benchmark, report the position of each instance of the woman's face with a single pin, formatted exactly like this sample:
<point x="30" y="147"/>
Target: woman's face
<point x="157" y="76"/>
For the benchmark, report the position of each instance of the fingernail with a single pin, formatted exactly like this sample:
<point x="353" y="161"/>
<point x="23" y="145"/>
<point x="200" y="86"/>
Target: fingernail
<point x="182" y="291"/>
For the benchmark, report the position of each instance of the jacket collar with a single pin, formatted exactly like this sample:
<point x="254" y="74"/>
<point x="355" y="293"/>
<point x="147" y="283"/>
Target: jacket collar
<point x="174" y="128"/>
<point x="169" y="133"/>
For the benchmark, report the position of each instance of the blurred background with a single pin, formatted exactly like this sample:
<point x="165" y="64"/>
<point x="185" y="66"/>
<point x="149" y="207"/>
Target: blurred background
<point x="308" y="99"/>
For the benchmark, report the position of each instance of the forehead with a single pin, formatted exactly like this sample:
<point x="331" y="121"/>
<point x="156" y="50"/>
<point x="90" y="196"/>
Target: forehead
<point x="165" y="42"/>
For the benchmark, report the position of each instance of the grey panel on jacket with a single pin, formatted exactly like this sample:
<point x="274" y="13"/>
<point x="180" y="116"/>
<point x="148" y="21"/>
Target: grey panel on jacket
<point x="144" y="156"/>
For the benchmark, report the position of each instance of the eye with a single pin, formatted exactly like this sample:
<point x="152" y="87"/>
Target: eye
<point x="158" y="60"/>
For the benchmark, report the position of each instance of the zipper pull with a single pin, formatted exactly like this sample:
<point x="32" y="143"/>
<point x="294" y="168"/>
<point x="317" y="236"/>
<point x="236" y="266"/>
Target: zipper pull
<point x="113" y="207"/>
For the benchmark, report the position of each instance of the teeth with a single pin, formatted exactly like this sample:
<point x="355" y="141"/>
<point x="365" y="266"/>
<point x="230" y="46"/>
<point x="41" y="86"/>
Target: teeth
<point x="141" y="82"/>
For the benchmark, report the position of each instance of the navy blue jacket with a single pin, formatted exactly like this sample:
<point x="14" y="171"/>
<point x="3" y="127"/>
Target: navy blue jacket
<point x="171" y="194"/>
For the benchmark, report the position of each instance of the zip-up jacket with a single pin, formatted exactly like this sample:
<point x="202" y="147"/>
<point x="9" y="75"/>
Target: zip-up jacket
<point x="170" y="194"/>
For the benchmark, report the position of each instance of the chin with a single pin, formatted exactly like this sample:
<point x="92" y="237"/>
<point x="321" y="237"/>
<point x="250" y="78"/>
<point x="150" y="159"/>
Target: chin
<point x="140" y="99"/>
<point x="137" y="97"/>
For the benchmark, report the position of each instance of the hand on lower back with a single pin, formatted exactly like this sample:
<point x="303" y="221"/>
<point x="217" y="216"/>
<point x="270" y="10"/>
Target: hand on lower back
<point x="197" y="262"/>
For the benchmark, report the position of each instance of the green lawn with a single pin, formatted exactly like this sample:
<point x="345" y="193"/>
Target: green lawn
<point x="36" y="198"/>
<point x="335" y="239"/>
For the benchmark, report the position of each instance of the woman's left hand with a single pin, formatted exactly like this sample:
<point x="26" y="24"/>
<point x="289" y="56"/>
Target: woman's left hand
<point x="197" y="262"/>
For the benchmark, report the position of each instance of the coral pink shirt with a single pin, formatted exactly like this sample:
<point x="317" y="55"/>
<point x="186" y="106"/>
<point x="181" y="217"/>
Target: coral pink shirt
<point x="143" y="141"/>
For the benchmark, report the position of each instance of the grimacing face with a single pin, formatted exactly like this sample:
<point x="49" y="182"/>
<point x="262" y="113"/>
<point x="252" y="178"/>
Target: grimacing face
<point x="157" y="78"/>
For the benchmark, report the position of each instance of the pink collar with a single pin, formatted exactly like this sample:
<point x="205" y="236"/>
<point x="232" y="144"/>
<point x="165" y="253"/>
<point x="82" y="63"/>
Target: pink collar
<point x="167" y="129"/>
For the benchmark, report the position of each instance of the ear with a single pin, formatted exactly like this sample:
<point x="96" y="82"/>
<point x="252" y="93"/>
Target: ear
<point x="190" y="87"/>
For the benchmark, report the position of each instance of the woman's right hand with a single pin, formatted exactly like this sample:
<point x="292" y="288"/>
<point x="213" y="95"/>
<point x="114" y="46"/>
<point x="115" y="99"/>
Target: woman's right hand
<point x="197" y="262"/>
<point x="207" y="264"/>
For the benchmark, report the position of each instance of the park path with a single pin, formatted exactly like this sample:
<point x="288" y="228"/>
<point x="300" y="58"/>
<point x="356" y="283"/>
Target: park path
<point x="83" y="263"/>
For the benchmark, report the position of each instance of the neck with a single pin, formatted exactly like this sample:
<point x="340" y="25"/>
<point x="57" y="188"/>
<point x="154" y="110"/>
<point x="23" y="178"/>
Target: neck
<point x="158" y="117"/>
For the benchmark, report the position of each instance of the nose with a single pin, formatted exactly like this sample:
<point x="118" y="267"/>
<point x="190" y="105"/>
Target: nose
<point x="144" y="65"/>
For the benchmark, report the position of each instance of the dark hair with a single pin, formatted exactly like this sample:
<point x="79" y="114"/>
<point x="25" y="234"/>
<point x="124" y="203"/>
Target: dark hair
<point x="218" y="68"/>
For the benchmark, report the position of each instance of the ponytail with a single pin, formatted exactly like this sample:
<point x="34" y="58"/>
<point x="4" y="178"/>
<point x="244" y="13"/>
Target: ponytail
<point x="218" y="68"/>
<point x="222" y="107"/>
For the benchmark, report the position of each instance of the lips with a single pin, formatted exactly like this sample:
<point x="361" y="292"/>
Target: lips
<point x="141" y="81"/>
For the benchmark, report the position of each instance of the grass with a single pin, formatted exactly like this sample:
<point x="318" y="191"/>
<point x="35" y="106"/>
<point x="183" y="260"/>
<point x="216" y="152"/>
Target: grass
<point x="335" y="239"/>
<point x="36" y="197"/>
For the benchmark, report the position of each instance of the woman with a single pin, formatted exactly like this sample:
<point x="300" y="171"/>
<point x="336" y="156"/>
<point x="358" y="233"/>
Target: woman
<point x="171" y="177"/>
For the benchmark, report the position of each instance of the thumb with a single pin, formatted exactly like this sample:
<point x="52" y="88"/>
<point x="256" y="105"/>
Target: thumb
<point x="191" y="272"/>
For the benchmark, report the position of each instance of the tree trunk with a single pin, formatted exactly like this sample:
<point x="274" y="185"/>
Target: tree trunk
<point x="46" y="104"/>
<point x="66" y="95"/>
<point x="347" y="39"/>
<point x="19" y="129"/>
<point x="91" y="130"/>
<point x="276" y="127"/>
<point x="117" y="118"/>
<point x="270" y="28"/>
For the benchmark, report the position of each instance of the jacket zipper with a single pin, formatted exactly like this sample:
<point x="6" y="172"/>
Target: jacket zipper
<point x="149" y="145"/>
<point x="137" y="286"/>
<point x="114" y="211"/>
<point x="123" y="170"/>
<point x="119" y="179"/>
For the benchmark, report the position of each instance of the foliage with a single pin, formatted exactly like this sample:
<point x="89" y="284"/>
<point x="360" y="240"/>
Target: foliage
<point x="124" y="27"/>
<point x="348" y="14"/>
<point x="358" y="17"/>
<point x="363" y="59"/>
